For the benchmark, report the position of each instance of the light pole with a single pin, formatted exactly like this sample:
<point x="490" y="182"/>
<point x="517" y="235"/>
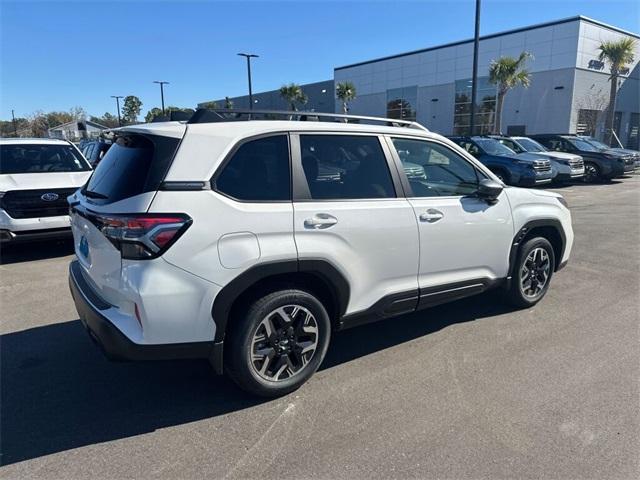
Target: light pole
<point x="249" y="56"/>
<point x="15" y="128"/>
<point x="118" y="97"/>
<point x="474" y="75"/>
<point x="162" y="84"/>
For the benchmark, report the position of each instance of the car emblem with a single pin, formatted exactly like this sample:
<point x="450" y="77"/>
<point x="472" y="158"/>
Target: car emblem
<point x="50" y="197"/>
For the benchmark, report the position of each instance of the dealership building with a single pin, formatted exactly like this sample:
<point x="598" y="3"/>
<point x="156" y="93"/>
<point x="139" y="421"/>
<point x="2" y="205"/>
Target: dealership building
<point x="569" y="85"/>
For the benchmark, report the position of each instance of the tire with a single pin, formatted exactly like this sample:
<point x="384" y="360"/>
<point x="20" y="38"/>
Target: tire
<point x="523" y="276"/>
<point x="502" y="176"/>
<point x="591" y="173"/>
<point x="274" y="364"/>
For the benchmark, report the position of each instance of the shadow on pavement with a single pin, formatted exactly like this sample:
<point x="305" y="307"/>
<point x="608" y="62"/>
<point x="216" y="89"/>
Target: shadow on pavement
<point x="59" y="392"/>
<point x="27" y="252"/>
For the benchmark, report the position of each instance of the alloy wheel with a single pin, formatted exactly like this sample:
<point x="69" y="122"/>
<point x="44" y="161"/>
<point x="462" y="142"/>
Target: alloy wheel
<point x="535" y="272"/>
<point x="590" y="173"/>
<point x="284" y="343"/>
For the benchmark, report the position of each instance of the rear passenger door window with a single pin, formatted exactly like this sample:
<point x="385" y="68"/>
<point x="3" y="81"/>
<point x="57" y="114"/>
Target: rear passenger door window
<point x="258" y="171"/>
<point x="343" y="167"/>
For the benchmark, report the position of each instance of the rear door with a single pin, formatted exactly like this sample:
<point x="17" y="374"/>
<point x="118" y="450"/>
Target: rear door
<point x="124" y="182"/>
<point x="347" y="210"/>
<point x="464" y="241"/>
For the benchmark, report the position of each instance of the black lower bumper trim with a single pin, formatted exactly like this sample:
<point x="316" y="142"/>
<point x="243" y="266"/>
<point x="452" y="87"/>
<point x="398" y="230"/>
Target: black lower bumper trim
<point x="116" y="346"/>
<point x="7" y="236"/>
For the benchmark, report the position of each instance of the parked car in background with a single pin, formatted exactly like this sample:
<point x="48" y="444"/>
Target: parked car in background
<point x="520" y="169"/>
<point x="635" y="154"/>
<point x="94" y="150"/>
<point x="249" y="258"/>
<point x="598" y="165"/>
<point x="36" y="177"/>
<point x="567" y="166"/>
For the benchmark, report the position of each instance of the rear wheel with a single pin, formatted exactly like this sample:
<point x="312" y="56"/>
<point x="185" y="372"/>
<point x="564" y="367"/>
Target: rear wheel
<point x="591" y="172"/>
<point x="532" y="273"/>
<point x="277" y="343"/>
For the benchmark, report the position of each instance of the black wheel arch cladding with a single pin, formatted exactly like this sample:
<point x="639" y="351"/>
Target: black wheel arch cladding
<point x="327" y="275"/>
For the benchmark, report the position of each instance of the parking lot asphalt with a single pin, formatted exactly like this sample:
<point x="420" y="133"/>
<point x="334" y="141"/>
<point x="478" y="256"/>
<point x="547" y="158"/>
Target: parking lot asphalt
<point x="471" y="389"/>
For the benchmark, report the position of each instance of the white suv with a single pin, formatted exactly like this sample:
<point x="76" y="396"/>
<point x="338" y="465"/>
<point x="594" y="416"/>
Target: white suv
<point x="36" y="177"/>
<point x="249" y="242"/>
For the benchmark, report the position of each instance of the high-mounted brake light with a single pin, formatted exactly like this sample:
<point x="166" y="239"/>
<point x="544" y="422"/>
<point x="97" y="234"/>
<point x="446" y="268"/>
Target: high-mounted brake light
<point x="144" y="236"/>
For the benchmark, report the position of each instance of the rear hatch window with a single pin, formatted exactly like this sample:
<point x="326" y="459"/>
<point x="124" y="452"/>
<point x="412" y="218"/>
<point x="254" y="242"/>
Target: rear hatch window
<point x="134" y="164"/>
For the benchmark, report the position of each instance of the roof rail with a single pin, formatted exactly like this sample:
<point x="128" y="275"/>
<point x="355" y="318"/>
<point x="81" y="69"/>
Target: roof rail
<point x="206" y="115"/>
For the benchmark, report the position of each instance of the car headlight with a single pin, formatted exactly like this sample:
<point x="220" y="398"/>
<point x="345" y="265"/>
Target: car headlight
<point x="563" y="202"/>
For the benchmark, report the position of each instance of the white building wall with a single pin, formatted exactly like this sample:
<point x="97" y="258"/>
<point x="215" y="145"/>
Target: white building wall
<point x="559" y="51"/>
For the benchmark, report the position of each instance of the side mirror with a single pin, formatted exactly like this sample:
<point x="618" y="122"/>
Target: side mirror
<point x="489" y="190"/>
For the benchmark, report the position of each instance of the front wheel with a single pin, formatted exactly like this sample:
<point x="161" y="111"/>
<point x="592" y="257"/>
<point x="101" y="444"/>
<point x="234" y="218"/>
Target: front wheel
<point x="532" y="273"/>
<point x="591" y="173"/>
<point x="502" y="176"/>
<point x="277" y="343"/>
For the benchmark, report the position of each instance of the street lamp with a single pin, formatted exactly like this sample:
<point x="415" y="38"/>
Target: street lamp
<point x="474" y="75"/>
<point x="162" y="84"/>
<point x="118" y="97"/>
<point x="249" y="56"/>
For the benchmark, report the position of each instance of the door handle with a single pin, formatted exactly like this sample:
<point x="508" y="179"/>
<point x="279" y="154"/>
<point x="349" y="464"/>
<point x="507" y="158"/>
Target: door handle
<point x="320" y="221"/>
<point x="431" y="216"/>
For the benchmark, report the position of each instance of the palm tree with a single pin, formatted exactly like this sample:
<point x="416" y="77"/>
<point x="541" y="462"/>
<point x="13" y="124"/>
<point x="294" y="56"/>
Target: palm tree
<point x="619" y="54"/>
<point x="293" y="94"/>
<point x="345" y="91"/>
<point x="507" y="73"/>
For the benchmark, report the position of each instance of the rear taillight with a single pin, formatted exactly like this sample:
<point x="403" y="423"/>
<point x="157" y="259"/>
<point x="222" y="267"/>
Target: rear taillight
<point x="145" y="236"/>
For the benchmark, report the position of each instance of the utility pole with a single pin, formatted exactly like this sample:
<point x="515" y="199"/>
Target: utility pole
<point x="118" y="97"/>
<point x="15" y="127"/>
<point x="474" y="78"/>
<point x="249" y="56"/>
<point x="162" y="84"/>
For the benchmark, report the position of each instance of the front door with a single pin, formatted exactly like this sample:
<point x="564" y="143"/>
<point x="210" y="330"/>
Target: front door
<point x="464" y="241"/>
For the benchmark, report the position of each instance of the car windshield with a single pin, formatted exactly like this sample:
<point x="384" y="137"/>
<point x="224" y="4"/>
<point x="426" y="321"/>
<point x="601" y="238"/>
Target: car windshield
<point x="596" y="143"/>
<point x="39" y="158"/>
<point x="531" y="145"/>
<point x="491" y="146"/>
<point x="507" y="142"/>
<point x="582" y="145"/>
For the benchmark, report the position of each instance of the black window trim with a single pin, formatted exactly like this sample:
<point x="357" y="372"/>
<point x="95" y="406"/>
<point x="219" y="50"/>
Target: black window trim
<point x="227" y="158"/>
<point x="301" y="192"/>
<point x="405" y="180"/>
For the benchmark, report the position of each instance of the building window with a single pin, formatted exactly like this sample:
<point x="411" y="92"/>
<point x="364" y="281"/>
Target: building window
<point x="402" y="102"/>
<point x="634" y="132"/>
<point x="485" y="107"/>
<point x="587" y="121"/>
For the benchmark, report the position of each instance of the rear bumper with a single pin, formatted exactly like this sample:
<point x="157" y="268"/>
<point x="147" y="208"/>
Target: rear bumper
<point x="115" y="344"/>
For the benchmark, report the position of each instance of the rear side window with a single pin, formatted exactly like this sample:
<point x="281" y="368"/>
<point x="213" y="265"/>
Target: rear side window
<point x="345" y="167"/>
<point x="258" y="171"/>
<point x="133" y="165"/>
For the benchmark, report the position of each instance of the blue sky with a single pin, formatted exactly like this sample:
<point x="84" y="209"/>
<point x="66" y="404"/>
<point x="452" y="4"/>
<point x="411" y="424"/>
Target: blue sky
<point x="56" y="55"/>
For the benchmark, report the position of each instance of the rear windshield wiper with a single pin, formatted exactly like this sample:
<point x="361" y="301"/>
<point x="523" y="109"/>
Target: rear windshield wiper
<point x="92" y="194"/>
